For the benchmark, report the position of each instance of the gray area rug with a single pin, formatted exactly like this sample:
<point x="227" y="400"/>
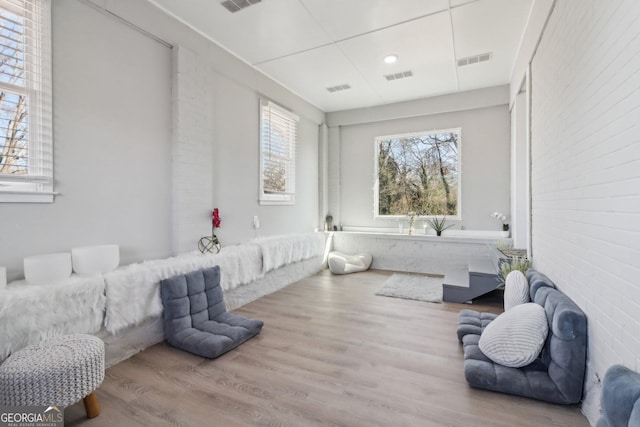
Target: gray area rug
<point x="412" y="286"/>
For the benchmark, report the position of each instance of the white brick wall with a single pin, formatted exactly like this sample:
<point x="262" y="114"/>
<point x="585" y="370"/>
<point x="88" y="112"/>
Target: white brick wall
<point x="192" y="150"/>
<point x="586" y="173"/>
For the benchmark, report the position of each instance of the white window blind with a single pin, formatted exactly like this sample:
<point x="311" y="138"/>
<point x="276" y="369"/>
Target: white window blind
<point x="26" y="158"/>
<point x="278" y="129"/>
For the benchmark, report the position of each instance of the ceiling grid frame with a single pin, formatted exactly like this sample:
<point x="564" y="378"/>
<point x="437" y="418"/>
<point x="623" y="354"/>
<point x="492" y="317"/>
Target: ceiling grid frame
<point x="310" y="45"/>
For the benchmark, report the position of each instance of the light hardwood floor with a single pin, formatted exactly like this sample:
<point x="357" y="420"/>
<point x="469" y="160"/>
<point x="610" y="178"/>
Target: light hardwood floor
<point x="331" y="353"/>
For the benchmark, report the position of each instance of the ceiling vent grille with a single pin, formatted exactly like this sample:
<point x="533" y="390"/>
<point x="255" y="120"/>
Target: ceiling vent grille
<point x="338" y="88"/>
<point x="400" y="75"/>
<point x="483" y="57"/>
<point x="236" y="5"/>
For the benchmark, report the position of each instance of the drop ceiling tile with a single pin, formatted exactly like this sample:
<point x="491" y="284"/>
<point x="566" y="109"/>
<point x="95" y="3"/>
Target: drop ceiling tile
<point x="423" y="46"/>
<point x="310" y="73"/>
<point x="485" y="74"/>
<point x="489" y="26"/>
<point x="342" y="19"/>
<point x="263" y="31"/>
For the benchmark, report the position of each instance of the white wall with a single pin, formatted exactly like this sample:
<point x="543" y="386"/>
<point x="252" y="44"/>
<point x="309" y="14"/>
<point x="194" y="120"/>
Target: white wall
<point x="586" y="173"/>
<point x="114" y="141"/>
<point x="519" y="173"/>
<point x="112" y="130"/>
<point x="236" y="178"/>
<point x="234" y="118"/>
<point x="485" y="163"/>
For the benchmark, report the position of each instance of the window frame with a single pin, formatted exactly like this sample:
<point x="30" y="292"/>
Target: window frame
<point x="36" y="186"/>
<point x="376" y="186"/>
<point x="288" y="197"/>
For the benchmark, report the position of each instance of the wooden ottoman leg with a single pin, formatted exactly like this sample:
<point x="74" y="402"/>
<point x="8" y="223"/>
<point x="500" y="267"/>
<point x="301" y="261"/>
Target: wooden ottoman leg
<point x="91" y="405"/>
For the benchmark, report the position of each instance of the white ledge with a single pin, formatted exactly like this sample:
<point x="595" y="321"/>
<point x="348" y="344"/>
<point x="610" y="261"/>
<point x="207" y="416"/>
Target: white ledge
<point x="449" y="236"/>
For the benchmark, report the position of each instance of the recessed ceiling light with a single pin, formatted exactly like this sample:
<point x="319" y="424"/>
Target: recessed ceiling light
<point x="390" y="59"/>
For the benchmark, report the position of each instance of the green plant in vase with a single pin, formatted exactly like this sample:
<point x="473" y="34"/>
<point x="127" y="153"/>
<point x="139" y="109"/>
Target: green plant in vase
<point x="502" y="218"/>
<point x="438" y="224"/>
<point x="507" y="265"/>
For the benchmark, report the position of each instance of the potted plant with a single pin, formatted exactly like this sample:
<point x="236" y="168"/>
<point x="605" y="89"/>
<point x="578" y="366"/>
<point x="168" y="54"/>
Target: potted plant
<point x="507" y="265"/>
<point x="438" y="224"/>
<point x="502" y="218"/>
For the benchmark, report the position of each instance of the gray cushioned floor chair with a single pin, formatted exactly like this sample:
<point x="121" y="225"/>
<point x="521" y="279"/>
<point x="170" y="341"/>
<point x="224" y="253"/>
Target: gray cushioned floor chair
<point x="557" y="375"/>
<point x="196" y="318"/>
<point x="620" y="399"/>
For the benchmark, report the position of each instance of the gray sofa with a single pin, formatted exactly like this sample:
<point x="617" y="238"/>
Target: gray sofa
<point x="557" y="375"/>
<point x="620" y="400"/>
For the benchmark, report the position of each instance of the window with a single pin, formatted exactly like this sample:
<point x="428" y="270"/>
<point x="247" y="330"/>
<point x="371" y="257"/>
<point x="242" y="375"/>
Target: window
<point x="26" y="170"/>
<point x="418" y="173"/>
<point x="277" y="154"/>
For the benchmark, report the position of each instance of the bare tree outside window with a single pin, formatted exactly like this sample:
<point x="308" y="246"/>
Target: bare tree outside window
<point x="278" y="130"/>
<point x="13" y="102"/>
<point x="26" y="140"/>
<point x="418" y="173"/>
<point x="276" y="160"/>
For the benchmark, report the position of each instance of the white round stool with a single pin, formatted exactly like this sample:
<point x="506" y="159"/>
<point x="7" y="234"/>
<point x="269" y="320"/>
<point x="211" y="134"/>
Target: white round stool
<point x="59" y="371"/>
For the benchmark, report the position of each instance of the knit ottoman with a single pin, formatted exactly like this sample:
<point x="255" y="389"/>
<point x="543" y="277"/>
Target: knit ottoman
<point x="59" y="371"/>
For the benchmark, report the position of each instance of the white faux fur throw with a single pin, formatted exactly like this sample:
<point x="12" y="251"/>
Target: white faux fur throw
<point x="133" y="292"/>
<point x="32" y="313"/>
<point x="285" y="249"/>
<point x="239" y="264"/>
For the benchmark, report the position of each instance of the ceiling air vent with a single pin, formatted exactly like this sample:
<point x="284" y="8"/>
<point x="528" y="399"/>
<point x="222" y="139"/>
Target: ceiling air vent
<point x="338" y="88"/>
<point x="397" y="76"/>
<point x="474" y="59"/>
<point x="235" y="5"/>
